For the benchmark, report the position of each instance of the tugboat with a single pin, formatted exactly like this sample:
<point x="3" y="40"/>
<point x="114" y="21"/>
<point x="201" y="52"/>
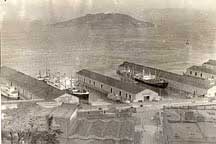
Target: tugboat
<point x="151" y="80"/>
<point x="9" y="92"/>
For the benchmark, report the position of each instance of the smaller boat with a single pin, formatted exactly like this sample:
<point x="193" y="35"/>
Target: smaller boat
<point x="9" y="92"/>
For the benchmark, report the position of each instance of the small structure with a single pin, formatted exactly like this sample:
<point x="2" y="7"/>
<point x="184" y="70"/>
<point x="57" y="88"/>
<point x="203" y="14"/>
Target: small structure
<point x="146" y="95"/>
<point x="206" y="71"/>
<point x="126" y="91"/>
<point x="201" y="72"/>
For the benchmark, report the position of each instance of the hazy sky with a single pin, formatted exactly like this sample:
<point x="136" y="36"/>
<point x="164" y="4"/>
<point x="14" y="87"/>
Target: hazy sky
<point x="57" y="10"/>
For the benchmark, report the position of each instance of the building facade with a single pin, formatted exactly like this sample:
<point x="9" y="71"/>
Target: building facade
<point x="201" y="72"/>
<point x="107" y="85"/>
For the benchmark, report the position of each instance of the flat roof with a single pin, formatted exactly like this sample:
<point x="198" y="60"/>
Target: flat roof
<point x="202" y="69"/>
<point x="30" y="84"/>
<point x="131" y="88"/>
<point x="211" y="62"/>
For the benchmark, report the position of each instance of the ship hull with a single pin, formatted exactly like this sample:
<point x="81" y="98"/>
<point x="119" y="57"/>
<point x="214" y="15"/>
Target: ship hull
<point x="9" y="97"/>
<point x="82" y="96"/>
<point x="152" y="83"/>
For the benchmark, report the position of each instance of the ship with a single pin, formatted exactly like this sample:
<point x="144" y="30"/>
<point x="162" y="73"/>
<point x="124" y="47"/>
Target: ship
<point x="76" y="90"/>
<point x="67" y="84"/>
<point x="82" y="94"/>
<point x="9" y="92"/>
<point x="43" y="78"/>
<point x="151" y="80"/>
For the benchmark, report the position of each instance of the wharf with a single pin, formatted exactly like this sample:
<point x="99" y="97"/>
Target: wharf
<point x="27" y="86"/>
<point x="190" y="85"/>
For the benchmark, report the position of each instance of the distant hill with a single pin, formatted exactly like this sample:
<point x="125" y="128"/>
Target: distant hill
<point x="106" y="21"/>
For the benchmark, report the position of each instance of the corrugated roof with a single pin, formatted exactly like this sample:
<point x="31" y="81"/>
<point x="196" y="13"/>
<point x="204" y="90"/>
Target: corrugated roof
<point x="116" y="129"/>
<point x="202" y="69"/>
<point x="211" y="62"/>
<point x="128" y="87"/>
<point x="32" y="85"/>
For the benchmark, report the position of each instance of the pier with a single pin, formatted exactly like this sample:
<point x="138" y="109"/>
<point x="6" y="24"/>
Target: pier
<point x="191" y="85"/>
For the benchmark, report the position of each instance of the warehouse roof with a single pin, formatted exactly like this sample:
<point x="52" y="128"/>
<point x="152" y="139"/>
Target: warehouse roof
<point x="114" y="129"/>
<point x="131" y="88"/>
<point x="202" y="69"/>
<point x="211" y="62"/>
<point x="32" y="85"/>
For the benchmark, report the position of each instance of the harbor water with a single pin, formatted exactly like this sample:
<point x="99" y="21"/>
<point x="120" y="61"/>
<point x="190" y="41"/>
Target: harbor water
<point x="66" y="51"/>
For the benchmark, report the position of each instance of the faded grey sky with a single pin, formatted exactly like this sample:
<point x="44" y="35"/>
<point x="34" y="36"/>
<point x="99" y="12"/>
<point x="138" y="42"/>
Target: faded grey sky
<point x="60" y="10"/>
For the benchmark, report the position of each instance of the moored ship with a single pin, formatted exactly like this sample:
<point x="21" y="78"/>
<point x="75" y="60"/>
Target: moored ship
<point x="67" y="84"/>
<point x="151" y="80"/>
<point x="80" y="93"/>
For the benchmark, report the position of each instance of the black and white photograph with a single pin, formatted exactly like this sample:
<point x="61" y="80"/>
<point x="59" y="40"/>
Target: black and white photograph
<point x="108" y="71"/>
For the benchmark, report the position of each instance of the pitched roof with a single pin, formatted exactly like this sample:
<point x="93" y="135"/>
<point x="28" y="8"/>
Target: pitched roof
<point x="131" y="88"/>
<point x="202" y="69"/>
<point x="64" y="111"/>
<point x="211" y="62"/>
<point x="30" y="84"/>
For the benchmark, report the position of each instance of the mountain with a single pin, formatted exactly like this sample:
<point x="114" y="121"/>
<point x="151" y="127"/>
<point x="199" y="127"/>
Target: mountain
<point x="106" y="21"/>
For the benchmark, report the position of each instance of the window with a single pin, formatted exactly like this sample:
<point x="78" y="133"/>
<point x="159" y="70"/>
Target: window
<point x="101" y="86"/>
<point x="195" y="73"/>
<point x="111" y="90"/>
<point x="126" y="96"/>
<point x="90" y="81"/>
<point x="119" y="93"/>
<point x="84" y="79"/>
<point x="191" y="72"/>
<point x="201" y="75"/>
<point x="94" y="83"/>
<point x="129" y="97"/>
<point x="212" y="77"/>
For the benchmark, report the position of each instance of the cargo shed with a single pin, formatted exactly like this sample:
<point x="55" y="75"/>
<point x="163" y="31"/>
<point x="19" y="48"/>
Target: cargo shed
<point x="126" y="91"/>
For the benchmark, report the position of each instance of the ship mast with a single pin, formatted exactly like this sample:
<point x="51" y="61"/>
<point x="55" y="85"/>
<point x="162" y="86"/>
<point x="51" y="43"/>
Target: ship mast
<point x="0" y="52"/>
